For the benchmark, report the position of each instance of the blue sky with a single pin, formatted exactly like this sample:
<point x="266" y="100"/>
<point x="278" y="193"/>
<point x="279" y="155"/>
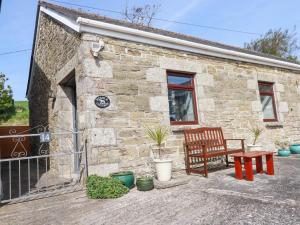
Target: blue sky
<point x="17" y="20"/>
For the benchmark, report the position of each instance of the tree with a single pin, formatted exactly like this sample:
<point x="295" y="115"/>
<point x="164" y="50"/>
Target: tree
<point x="281" y="43"/>
<point x="0" y="4"/>
<point x="141" y="15"/>
<point x="7" y="107"/>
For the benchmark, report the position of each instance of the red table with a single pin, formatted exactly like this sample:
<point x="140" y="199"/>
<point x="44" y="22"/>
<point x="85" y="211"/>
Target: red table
<point x="248" y="156"/>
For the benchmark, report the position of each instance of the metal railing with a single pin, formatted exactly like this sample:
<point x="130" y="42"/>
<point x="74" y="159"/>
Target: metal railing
<point x="25" y="177"/>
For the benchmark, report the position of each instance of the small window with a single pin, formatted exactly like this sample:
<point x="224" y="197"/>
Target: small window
<point x="268" y="101"/>
<point x="182" y="101"/>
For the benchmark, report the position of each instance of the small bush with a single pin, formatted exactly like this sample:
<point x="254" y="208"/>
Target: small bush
<point x="105" y="187"/>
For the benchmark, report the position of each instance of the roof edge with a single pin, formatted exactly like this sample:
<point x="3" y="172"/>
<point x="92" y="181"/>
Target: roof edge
<point x="131" y="34"/>
<point x="81" y="23"/>
<point x="33" y="49"/>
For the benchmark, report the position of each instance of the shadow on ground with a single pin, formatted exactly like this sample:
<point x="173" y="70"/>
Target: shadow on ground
<point x="219" y="199"/>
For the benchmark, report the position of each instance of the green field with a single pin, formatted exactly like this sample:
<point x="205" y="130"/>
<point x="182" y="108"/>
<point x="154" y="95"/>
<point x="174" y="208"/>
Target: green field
<point x="21" y="115"/>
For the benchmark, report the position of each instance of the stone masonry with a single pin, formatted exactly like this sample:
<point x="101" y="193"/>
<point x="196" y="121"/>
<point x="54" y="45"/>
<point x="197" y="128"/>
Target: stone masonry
<point x="133" y="76"/>
<point x="48" y="102"/>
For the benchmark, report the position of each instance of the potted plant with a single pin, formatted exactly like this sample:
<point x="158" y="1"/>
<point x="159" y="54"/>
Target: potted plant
<point x="283" y="148"/>
<point x="163" y="166"/>
<point x="144" y="183"/>
<point x="126" y="177"/>
<point x="255" y="132"/>
<point x="295" y="148"/>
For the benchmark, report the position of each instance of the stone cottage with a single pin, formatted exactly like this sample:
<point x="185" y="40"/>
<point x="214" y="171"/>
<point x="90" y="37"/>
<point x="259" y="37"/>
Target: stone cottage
<point x="151" y="77"/>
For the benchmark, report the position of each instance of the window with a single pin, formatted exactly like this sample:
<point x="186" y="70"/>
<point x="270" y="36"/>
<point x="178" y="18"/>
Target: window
<point x="182" y="102"/>
<point x="268" y="101"/>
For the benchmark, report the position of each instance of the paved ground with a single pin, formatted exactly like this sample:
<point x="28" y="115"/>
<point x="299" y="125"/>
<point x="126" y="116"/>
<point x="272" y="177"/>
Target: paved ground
<point x="220" y="199"/>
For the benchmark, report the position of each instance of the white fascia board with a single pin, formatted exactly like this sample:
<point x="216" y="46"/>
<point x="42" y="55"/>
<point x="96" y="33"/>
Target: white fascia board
<point x="116" y="31"/>
<point x="61" y="18"/>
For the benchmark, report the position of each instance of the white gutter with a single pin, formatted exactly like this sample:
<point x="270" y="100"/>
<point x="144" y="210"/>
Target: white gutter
<point x="116" y="31"/>
<point x="126" y="33"/>
<point x="63" y="19"/>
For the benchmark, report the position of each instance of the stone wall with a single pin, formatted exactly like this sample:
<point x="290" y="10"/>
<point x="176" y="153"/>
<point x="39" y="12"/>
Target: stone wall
<point x="55" y="46"/>
<point x="133" y="76"/>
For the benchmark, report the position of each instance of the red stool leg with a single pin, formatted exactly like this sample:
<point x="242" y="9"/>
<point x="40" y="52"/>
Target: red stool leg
<point x="238" y="168"/>
<point x="259" y="164"/>
<point x="248" y="168"/>
<point x="270" y="164"/>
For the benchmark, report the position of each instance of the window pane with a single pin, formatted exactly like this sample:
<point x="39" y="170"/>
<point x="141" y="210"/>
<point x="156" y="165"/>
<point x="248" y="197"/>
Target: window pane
<point x="186" y="81"/>
<point x="181" y="105"/>
<point x="265" y="87"/>
<point x="267" y="106"/>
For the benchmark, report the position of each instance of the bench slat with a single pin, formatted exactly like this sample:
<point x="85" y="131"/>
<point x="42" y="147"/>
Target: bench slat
<point x="204" y="143"/>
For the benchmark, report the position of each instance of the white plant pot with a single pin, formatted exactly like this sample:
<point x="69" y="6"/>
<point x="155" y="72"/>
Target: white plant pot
<point x="163" y="169"/>
<point x="251" y="148"/>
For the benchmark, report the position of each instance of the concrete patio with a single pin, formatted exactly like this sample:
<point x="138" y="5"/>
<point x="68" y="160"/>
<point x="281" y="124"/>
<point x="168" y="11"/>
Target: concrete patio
<point x="220" y="199"/>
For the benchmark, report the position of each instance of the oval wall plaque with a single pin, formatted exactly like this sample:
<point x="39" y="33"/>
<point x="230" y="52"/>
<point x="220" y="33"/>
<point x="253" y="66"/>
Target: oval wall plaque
<point x="102" y="102"/>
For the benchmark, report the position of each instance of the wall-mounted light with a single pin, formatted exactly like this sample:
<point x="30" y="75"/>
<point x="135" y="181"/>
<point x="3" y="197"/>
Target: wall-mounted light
<point x="97" y="47"/>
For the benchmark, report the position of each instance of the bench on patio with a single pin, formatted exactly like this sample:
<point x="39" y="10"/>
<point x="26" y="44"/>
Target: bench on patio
<point x="206" y="143"/>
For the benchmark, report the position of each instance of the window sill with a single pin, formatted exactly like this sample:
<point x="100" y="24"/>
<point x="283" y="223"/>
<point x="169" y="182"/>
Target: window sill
<point x="181" y="128"/>
<point x="273" y="125"/>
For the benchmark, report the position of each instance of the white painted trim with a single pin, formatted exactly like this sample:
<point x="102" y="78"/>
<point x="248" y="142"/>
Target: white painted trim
<point x="107" y="29"/>
<point x="33" y="55"/>
<point x="61" y="18"/>
<point x="126" y="33"/>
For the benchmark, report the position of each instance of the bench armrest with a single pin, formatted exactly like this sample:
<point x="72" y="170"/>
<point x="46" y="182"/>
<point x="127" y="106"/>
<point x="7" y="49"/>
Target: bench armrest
<point x="234" y="139"/>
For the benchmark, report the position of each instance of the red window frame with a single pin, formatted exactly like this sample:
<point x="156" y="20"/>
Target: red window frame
<point x="185" y="88"/>
<point x="269" y="93"/>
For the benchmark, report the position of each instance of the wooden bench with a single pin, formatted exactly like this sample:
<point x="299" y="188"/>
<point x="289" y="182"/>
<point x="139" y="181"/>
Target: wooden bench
<point x="202" y="144"/>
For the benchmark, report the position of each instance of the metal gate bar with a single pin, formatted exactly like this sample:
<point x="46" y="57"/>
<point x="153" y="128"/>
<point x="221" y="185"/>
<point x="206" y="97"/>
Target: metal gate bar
<point x="25" y="187"/>
<point x="22" y="177"/>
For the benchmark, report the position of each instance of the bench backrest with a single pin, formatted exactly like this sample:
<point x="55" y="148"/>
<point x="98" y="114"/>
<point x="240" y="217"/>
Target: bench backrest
<point x="212" y="137"/>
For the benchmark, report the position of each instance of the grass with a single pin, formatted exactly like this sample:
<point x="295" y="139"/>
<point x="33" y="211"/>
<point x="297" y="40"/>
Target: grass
<point x="20" y="117"/>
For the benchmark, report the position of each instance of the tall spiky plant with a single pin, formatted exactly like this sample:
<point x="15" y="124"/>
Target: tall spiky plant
<point x="158" y="135"/>
<point x="256" y="132"/>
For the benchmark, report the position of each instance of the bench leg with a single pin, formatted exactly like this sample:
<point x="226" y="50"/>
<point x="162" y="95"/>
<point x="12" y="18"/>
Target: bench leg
<point x="248" y="169"/>
<point x="238" y="168"/>
<point x="187" y="165"/>
<point x="270" y="164"/>
<point x="205" y="168"/>
<point x="187" y="160"/>
<point x="226" y="160"/>
<point x="259" y="164"/>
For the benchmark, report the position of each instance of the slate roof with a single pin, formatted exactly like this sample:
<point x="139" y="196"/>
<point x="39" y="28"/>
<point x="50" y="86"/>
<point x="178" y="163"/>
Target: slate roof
<point x="75" y="13"/>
